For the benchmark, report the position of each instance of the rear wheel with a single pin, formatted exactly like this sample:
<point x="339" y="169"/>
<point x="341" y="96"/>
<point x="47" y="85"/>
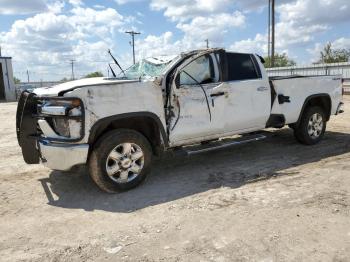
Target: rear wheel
<point x="312" y="126"/>
<point x="120" y="160"/>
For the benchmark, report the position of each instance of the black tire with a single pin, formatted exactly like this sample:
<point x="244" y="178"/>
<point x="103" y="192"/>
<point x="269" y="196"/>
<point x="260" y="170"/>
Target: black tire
<point x="101" y="152"/>
<point x="301" y="132"/>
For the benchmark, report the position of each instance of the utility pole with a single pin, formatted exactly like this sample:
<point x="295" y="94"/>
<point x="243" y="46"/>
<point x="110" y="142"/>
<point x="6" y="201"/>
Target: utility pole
<point x="28" y="76"/>
<point x="273" y="34"/>
<point x="0" y="50"/>
<point x="72" y="64"/>
<point x="269" y="33"/>
<point x="133" y="33"/>
<point x="207" y="41"/>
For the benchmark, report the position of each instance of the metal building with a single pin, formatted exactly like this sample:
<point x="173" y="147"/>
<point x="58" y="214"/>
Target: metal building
<point x="7" y="85"/>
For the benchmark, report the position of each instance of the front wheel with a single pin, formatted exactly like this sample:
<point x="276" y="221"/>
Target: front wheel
<point x="312" y="126"/>
<point x="120" y="160"/>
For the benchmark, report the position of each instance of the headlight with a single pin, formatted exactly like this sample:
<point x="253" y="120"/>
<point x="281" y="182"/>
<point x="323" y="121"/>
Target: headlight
<point x="54" y="110"/>
<point x="60" y="107"/>
<point x="64" y="115"/>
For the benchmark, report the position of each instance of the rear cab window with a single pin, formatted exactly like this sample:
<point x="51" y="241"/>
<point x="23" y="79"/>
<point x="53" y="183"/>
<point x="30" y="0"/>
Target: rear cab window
<point x="242" y="67"/>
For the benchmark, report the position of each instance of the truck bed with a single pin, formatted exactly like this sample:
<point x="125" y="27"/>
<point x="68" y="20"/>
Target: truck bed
<point x="299" y="89"/>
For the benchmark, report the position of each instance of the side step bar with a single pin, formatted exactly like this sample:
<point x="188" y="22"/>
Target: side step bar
<point x="223" y="144"/>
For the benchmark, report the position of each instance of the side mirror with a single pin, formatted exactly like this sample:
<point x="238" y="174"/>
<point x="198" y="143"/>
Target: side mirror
<point x="261" y="59"/>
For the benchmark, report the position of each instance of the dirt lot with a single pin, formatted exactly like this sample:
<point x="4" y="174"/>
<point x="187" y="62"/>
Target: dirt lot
<point x="273" y="200"/>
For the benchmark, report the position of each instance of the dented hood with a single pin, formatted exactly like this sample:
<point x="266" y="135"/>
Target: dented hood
<point x="57" y="89"/>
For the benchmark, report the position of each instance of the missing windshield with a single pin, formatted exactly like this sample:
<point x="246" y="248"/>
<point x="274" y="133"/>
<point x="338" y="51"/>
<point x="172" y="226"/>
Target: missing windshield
<point x="148" y="68"/>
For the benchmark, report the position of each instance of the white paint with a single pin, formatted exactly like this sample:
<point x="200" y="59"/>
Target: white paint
<point x="298" y="89"/>
<point x="55" y="90"/>
<point x="244" y="107"/>
<point x="102" y="101"/>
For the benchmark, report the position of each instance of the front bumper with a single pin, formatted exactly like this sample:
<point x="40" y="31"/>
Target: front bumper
<point x="54" y="152"/>
<point x="62" y="156"/>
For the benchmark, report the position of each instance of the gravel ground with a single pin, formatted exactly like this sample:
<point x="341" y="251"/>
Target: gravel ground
<point x="273" y="200"/>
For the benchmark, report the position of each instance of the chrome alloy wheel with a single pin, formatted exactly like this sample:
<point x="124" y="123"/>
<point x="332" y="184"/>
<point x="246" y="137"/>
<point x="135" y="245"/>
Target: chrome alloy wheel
<point x="125" y="162"/>
<point x="315" y="126"/>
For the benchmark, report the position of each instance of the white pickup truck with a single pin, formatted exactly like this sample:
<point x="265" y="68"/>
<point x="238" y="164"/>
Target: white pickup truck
<point x="187" y="103"/>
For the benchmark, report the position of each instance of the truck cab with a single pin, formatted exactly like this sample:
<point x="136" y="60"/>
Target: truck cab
<point x="218" y="94"/>
<point x="191" y="102"/>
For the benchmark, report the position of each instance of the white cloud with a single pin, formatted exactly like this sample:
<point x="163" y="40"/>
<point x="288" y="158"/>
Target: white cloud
<point x="76" y="2"/>
<point x="341" y="43"/>
<point x="302" y="20"/>
<point x="123" y="2"/>
<point x="258" y="5"/>
<point x="212" y="27"/>
<point x="99" y="7"/>
<point x="306" y="12"/>
<point x="256" y="45"/>
<point x="315" y="51"/>
<point x="8" y="7"/>
<point x="56" y="7"/>
<point x="181" y="10"/>
<point x="159" y="45"/>
<point x="299" y="23"/>
<point x="46" y="41"/>
<point x="200" y="20"/>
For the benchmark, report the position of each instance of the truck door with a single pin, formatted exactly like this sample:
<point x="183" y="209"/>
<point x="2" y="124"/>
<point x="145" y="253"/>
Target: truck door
<point x="192" y="104"/>
<point x="248" y="103"/>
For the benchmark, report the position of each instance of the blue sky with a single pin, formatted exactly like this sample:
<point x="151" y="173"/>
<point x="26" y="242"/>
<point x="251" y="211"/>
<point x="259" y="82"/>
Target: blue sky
<point x="43" y="35"/>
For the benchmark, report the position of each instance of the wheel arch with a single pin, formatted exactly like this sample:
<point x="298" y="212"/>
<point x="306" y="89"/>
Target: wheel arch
<point x="322" y="100"/>
<point x="146" y="123"/>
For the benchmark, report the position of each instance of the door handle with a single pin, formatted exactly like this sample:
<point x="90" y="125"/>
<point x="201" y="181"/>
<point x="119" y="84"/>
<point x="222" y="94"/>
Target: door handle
<point x="217" y="94"/>
<point x="262" y="88"/>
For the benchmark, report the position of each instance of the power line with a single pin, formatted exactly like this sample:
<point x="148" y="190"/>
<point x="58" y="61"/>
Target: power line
<point x="133" y="33"/>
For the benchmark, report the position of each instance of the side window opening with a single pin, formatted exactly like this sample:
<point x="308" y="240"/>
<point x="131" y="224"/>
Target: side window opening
<point x="241" y="67"/>
<point x="203" y="69"/>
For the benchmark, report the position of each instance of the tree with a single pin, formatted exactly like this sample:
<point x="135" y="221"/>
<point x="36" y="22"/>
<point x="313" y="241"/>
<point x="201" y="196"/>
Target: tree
<point x="94" y="74"/>
<point x="17" y="81"/>
<point x="330" y="55"/>
<point x="64" y="79"/>
<point x="281" y="60"/>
